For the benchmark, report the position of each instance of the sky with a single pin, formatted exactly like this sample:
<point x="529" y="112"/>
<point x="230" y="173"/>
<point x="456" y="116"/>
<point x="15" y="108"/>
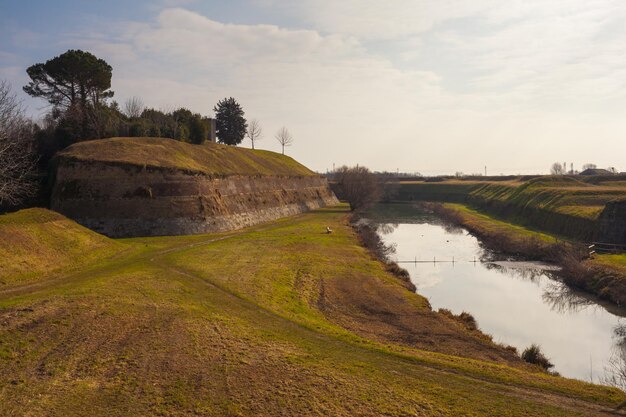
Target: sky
<point x="429" y="86"/>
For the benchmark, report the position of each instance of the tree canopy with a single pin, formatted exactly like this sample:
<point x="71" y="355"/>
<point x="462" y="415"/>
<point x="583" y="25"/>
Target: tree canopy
<point x="74" y="78"/>
<point x="231" y="126"/>
<point x="358" y="186"/>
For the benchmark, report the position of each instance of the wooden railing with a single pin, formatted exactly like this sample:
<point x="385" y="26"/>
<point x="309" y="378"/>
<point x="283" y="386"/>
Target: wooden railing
<point x="600" y="247"/>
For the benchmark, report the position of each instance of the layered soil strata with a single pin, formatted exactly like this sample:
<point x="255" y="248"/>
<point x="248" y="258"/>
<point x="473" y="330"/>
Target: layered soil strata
<point x="124" y="199"/>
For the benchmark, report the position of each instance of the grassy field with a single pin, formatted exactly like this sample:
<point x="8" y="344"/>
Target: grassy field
<point x="278" y="319"/>
<point x="209" y="158"/>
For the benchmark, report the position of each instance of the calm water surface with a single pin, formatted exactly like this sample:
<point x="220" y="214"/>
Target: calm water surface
<point x="516" y="302"/>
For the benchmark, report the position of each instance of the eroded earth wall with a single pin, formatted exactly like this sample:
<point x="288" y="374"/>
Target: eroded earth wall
<point x="128" y="200"/>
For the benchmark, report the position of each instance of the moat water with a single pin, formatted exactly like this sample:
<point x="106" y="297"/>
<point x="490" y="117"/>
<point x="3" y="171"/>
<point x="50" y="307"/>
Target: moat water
<point x="518" y="303"/>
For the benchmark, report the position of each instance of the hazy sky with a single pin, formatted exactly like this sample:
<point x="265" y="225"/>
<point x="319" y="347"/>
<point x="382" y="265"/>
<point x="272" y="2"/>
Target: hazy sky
<point x="434" y="86"/>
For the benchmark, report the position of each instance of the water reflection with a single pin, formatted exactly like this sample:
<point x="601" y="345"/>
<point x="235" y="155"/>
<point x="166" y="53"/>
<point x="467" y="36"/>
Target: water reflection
<point x="528" y="271"/>
<point x="385" y="228"/>
<point x="562" y="299"/>
<point x="519" y="303"/>
<point x="615" y="369"/>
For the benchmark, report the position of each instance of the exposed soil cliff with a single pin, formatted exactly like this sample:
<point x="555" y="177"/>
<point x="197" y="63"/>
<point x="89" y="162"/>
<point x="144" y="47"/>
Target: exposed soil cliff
<point x="179" y="188"/>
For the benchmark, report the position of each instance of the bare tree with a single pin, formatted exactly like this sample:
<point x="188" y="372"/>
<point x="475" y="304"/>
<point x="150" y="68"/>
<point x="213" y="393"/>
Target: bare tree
<point x="254" y="132"/>
<point x="589" y="166"/>
<point x="133" y="107"/>
<point x="557" y="169"/>
<point x="358" y="186"/>
<point x="17" y="162"/>
<point x="284" y="138"/>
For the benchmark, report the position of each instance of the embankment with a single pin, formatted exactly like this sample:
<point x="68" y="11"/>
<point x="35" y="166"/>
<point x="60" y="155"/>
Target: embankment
<point x="152" y="186"/>
<point x="584" y="209"/>
<point x="36" y="241"/>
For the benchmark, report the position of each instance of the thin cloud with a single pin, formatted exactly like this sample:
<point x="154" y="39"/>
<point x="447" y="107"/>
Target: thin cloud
<point x="437" y="86"/>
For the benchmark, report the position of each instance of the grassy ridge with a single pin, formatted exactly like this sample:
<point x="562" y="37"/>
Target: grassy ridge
<point x="209" y="158"/>
<point x="37" y="241"/>
<point x="561" y="205"/>
<point x="558" y="194"/>
<point x="279" y="319"/>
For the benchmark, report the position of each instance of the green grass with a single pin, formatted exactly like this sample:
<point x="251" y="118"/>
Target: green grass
<point x="558" y="194"/>
<point x="493" y="226"/>
<point x="565" y="206"/>
<point x="278" y="319"/>
<point x="209" y="158"/>
<point x="37" y="241"/>
<point x="582" y="198"/>
<point x="617" y="262"/>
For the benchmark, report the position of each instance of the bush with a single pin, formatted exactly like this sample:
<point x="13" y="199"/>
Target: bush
<point x="533" y="354"/>
<point x="466" y="319"/>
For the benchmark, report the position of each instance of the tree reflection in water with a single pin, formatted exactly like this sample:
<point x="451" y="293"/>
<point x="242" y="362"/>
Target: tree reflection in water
<point x="562" y="299"/>
<point x="615" y="369"/>
<point x="385" y="228"/>
<point x="526" y="271"/>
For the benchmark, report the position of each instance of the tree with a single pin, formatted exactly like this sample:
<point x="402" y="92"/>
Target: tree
<point x="589" y="166"/>
<point x="133" y="107"/>
<point x="284" y="138"/>
<point x="254" y="131"/>
<point x="230" y="125"/>
<point x="557" y="169"/>
<point x="198" y="129"/>
<point x="74" y="78"/>
<point x="358" y="186"/>
<point x="17" y="161"/>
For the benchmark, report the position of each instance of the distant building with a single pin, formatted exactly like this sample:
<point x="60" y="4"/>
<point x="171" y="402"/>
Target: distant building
<point x="596" y="171"/>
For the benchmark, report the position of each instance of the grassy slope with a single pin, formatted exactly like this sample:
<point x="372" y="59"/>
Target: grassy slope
<point x="583" y="197"/>
<point x="210" y="158"/>
<point x="279" y="319"/>
<point x="564" y="195"/>
<point x="492" y="225"/>
<point x="35" y="241"/>
<point x="617" y="262"/>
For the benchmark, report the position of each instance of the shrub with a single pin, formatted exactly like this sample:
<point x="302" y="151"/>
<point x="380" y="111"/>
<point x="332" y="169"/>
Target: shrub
<point x="533" y="354"/>
<point x="466" y="319"/>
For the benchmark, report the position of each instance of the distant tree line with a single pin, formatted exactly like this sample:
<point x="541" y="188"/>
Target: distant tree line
<point x="561" y="169"/>
<point x="77" y="87"/>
